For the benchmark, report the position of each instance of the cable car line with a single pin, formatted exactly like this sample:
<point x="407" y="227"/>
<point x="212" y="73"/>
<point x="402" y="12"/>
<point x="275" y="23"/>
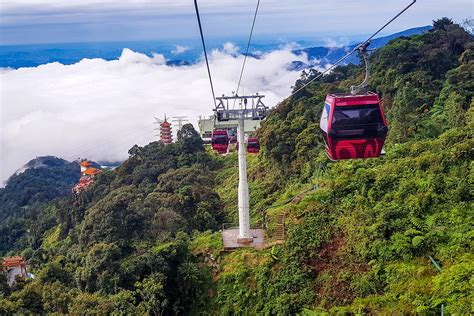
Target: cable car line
<point x="205" y="52"/>
<point x="357" y="48"/>
<point x="247" y="51"/>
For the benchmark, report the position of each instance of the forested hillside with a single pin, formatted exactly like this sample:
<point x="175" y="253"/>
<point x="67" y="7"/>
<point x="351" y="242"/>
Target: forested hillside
<point x="144" y="239"/>
<point x="43" y="180"/>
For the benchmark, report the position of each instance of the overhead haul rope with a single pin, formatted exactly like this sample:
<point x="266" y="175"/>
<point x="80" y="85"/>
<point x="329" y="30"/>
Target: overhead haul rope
<point x="205" y="52"/>
<point x="247" y="51"/>
<point x="357" y="48"/>
<point x="205" y="56"/>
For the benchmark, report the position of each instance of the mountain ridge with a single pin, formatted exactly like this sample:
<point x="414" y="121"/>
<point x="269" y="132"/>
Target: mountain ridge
<point x="34" y="55"/>
<point x="328" y="55"/>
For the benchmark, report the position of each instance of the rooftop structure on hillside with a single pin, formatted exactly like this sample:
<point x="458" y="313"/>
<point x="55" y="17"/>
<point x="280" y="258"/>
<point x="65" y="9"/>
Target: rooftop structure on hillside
<point x="88" y="174"/>
<point x="85" y="164"/>
<point x="92" y="171"/>
<point x="14" y="266"/>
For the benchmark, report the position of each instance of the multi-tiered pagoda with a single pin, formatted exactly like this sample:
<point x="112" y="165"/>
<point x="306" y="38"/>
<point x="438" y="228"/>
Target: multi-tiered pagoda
<point x="166" y="136"/>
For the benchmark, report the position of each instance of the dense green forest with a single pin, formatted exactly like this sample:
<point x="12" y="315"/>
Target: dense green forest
<point x="361" y="235"/>
<point x="44" y="179"/>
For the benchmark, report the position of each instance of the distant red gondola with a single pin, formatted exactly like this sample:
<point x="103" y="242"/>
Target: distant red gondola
<point x="220" y="141"/>
<point x="253" y="145"/>
<point x="353" y="126"/>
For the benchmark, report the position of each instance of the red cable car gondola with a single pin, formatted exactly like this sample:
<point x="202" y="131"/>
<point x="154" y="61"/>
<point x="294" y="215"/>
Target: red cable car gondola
<point x="353" y="126"/>
<point x="253" y="145"/>
<point x="220" y="141"/>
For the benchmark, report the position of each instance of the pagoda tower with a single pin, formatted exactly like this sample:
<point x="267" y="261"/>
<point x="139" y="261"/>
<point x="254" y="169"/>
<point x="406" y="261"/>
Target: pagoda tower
<point x="165" y="132"/>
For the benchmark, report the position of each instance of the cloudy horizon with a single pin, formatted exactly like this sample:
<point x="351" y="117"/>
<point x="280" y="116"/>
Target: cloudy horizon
<point x="99" y="109"/>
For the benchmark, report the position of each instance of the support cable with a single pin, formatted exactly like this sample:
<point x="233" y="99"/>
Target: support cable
<point x="247" y="51"/>
<point x="355" y="49"/>
<point x="205" y="52"/>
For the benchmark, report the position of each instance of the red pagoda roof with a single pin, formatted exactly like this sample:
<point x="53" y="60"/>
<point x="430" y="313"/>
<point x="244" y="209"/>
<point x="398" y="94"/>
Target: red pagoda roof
<point x="92" y="171"/>
<point x="85" y="163"/>
<point x="13" y="261"/>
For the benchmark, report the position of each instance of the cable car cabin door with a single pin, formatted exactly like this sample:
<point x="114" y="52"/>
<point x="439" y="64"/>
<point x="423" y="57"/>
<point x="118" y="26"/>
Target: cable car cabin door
<point x="353" y="127"/>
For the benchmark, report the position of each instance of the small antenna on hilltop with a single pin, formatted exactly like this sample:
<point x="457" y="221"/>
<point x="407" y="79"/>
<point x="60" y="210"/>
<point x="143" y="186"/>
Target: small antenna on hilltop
<point x="180" y="120"/>
<point x="157" y="122"/>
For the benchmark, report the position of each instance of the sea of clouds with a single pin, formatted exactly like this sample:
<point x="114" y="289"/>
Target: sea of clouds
<point x="99" y="109"/>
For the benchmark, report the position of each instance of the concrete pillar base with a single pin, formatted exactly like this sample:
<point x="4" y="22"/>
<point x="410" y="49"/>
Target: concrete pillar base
<point x="245" y="240"/>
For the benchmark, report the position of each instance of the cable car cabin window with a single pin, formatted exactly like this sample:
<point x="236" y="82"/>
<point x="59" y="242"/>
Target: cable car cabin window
<point x="323" y="124"/>
<point x="253" y="144"/>
<point x="218" y="139"/>
<point x="357" y="121"/>
<point x="325" y="117"/>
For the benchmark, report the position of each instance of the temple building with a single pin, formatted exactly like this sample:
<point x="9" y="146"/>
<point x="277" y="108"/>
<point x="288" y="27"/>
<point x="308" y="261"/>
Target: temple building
<point x="166" y="136"/>
<point x="14" y="267"/>
<point x="88" y="174"/>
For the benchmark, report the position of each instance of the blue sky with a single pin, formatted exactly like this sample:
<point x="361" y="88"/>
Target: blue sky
<point x="50" y="21"/>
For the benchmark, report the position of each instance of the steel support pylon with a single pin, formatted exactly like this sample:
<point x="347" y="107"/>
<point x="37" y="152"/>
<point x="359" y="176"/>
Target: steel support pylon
<point x="245" y="235"/>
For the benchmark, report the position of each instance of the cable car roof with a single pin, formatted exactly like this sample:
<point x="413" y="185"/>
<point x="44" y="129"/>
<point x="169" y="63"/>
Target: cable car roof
<point x="347" y="99"/>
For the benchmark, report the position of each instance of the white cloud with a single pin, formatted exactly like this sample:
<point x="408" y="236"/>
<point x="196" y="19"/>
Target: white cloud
<point x="179" y="49"/>
<point x="290" y="46"/>
<point x="231" y="48"/>
<point x="130" y="57"/>
<point x="98" y="109"/>
<point x="335" y="42"/>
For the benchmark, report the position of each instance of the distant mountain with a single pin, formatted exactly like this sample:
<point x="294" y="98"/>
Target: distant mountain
<point x="382" y="41"/>
<point x="329" y="55"/>
<point x="18" y="56"/>
<point x="109" y="165"/>
<point x="39" y="182"/>
<point x="177" y="63"/>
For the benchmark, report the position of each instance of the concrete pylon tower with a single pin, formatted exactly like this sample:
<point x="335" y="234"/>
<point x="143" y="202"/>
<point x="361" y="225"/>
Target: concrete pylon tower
<point x="245" y="236"/>
<point x="166" y="136"/>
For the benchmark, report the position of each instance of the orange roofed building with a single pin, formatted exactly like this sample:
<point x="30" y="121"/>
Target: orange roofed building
<point x="14" y="266"/>
<point x="91" y="172"/>
<point x="87" y="176"/>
